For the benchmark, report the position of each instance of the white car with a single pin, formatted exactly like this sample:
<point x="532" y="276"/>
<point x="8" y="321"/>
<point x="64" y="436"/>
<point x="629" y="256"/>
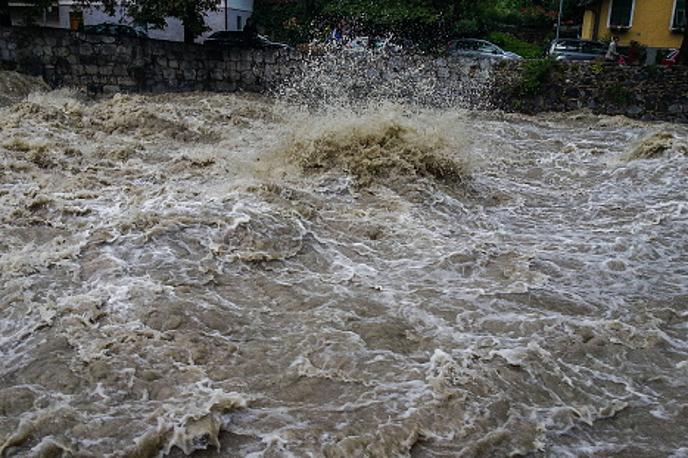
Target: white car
<point x="479" y="49"/>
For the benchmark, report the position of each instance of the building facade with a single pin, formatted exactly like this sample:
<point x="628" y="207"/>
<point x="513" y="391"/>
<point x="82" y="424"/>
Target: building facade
<point x="655" y="24"/>
<point x="230" y="15"/>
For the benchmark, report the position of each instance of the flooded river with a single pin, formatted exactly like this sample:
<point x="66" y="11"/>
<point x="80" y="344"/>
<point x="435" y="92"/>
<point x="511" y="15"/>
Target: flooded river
<point x="191" y="273"/>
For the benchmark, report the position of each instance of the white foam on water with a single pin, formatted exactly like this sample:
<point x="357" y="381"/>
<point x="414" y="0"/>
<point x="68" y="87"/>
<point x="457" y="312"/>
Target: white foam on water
<point x="213" y="272"/>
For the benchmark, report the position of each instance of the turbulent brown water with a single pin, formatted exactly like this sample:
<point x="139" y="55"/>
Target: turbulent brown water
<point x="15" y="86"/>
<point x="227" y="275"/>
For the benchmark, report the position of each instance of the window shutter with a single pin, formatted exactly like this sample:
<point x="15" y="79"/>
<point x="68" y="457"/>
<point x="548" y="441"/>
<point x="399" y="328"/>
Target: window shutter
<point x="679" y="21"/>
<point x="621" y="13"/>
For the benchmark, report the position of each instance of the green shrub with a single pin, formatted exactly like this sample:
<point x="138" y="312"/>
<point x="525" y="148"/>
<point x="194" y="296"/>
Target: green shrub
<point x="597" y="68"/>
<point x="515" y="45"/>
<point x="651" y="70"/>
<point x="466" y="27"/>
<point x="535" y="73"/>
<point x="619" y="95"/>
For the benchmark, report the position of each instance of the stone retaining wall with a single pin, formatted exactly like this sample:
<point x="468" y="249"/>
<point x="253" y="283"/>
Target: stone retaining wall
<point x="649" y="92"/>
<point x="105" y="64"/>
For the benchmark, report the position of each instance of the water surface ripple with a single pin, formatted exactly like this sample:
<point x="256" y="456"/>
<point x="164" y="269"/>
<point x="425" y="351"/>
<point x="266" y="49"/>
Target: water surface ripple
<point x="182" y="273"/>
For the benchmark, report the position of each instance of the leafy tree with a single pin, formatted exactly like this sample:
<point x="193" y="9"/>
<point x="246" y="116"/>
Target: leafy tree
<point x="152" y="12"/>
<point x="155" y="13"/>
<point x="427" y="22"/>
<point x="289" y="20"/>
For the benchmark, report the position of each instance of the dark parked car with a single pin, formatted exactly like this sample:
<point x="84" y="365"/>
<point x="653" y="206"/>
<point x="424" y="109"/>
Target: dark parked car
<point x="479" y="49"/>
<point x="241" y="40"/>
<point x="118" y="30"/>
<point x="574" y="49"/>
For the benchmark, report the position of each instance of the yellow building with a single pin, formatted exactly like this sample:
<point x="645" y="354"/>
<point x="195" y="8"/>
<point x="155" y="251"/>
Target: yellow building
<point x="656" y="24"/>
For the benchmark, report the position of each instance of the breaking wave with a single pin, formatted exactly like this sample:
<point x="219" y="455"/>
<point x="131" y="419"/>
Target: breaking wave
<point x="370" y="147"/>
<point x="15" y="86"/>
<point x="658" y="144"/>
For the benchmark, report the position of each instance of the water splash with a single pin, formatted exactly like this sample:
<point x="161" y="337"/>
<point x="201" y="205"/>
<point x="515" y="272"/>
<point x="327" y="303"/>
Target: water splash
<point x="345" y="78"/>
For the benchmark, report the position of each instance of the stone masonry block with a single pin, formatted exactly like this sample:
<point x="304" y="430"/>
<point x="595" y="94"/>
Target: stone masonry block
<point x="120" y="70"/>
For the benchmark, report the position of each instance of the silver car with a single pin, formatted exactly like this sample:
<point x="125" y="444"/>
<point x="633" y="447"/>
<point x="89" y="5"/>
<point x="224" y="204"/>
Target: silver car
<point x="479" y="49"/>
<point x="575" y="49"/>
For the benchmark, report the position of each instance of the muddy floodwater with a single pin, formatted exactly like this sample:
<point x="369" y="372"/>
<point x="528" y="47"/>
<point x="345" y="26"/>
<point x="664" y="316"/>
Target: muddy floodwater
<point x="235" y="275"/>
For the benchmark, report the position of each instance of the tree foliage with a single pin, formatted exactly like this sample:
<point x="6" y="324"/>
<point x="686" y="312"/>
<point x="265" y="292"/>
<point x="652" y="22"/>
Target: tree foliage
<point x="153" y="13"/>
<point x="427" y="20"/>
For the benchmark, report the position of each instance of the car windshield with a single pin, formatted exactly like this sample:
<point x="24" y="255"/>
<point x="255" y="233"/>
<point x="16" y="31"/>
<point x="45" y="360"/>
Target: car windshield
<point x="487" y="47"/>
<point x="594" y="48"/>
<point x="570" y="46"/>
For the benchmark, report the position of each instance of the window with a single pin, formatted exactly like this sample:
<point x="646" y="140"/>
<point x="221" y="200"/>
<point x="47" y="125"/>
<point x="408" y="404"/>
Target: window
<point x="76" y="20"/>
<point x="240" y="25"/>
<point x="594" y="48"/>
<point x="678" y="21"/>
<point x="567" y="45"/>
<point x="486" y="47"/>
<point x="621" y="14"/>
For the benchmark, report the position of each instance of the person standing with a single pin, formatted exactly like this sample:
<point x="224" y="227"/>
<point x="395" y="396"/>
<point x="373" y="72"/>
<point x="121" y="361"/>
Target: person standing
<point x="613" y="52"/>
<point x="336" y="35"/>
<point x="634" y="53"/>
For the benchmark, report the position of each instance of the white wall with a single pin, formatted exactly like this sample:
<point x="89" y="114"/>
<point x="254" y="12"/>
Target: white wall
<point x="241" y="5"/>
<point x="174" y="30"/>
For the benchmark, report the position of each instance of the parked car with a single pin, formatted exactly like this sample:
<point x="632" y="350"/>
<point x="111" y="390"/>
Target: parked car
<point x="575" y="49"/>
<point x="671" y="58"/>
<point x="368" y="43"/>
<point x="241" y="40"/>
<point x="118" y="30"/>
<point x="480" y="49"/>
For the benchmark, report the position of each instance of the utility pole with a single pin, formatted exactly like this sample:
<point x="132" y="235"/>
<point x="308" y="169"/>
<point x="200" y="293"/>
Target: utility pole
<point x="226" y="17"/>
<point x="561" y="9"/>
